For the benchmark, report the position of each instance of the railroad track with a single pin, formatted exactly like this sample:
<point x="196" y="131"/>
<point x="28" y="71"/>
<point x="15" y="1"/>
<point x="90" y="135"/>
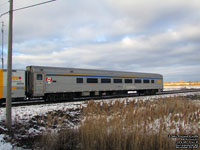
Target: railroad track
<point x="42" y="101"/>
<point x="179" y="91"/>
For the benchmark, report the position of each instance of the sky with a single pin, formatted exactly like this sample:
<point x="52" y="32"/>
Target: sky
<point x="152" y="36"/>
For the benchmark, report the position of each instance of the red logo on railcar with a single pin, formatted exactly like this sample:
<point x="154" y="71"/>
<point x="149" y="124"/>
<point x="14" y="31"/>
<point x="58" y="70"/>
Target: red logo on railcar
<point x="49" y="79"/>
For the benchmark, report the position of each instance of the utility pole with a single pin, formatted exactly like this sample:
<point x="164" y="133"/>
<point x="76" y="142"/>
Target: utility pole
<point x="9" y="70"/>
<point x="9" y="62"/>
<point x="2" y="31"/>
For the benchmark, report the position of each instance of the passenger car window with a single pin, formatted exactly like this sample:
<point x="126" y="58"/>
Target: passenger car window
<point x="117" y="80"/>
<point x="152" y="81"/>
<point x="128" y="81"/>
<point x="145" y="81"/>
<point x="92" y="80"/>
<point x="138" y="81"/>
<point x="39" y="76"/>
<point x="106" y="80"/>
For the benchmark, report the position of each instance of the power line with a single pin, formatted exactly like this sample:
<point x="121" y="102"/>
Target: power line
<point x="28" y="7"/>
<point x="34" y="5"/>
<point x="4" y="14"/>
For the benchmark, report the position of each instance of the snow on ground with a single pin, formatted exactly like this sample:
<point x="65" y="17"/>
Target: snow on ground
<point x="24" y="113"/>
<point x="27" y="112"/>
<point x="145" y="98"/>
<point x="4" y="145"/>
<point x="7" y="146"/>
<point x="171" y="88"/>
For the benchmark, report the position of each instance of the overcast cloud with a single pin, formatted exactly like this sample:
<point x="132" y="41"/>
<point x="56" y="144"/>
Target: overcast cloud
<point x="125" y="35"/>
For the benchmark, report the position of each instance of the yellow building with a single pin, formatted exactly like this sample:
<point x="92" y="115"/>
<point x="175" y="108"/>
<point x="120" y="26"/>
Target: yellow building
<point x="182" y="83"/>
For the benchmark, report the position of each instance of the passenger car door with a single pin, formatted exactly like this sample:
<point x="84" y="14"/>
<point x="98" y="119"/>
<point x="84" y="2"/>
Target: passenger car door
<point x="38" y="84"/>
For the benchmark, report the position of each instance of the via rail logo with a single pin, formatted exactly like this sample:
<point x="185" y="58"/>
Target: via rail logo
<point x="48" y="80"/>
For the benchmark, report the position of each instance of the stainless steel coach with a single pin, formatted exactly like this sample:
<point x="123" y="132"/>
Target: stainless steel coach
<point x="60" y="83"/>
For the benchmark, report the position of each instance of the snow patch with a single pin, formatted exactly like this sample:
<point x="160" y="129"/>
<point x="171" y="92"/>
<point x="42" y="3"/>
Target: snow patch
<point x="4" y="145"/>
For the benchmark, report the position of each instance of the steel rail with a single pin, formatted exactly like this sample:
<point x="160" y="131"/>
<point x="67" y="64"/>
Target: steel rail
<point x="40" y="101"/>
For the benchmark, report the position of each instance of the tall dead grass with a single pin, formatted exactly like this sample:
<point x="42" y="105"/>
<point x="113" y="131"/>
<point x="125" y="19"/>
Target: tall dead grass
<point x="129" y="125"/>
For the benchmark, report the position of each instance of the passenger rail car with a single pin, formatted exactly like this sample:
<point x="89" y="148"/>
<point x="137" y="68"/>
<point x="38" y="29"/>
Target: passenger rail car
<point x="53" y="83"/>
<point x="61" y="83"/>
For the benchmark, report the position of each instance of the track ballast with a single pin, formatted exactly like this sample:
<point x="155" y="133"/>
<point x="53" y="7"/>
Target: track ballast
<point x="42" y="101"/>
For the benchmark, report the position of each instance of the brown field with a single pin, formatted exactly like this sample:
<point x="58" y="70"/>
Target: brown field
<point x="128" y="125"/>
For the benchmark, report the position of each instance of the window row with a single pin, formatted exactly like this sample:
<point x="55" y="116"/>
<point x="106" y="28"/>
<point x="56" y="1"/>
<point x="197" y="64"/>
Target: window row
<point x="108" y="80"/>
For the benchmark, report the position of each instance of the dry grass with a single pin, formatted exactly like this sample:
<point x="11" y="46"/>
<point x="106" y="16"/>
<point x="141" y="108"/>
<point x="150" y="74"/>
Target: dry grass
<point x="129" y="125"/>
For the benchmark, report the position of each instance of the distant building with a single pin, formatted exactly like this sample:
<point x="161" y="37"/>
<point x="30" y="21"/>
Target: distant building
<point x="182" y="83"/>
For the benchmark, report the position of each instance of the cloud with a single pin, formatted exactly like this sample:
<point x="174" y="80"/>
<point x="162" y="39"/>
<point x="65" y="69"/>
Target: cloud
<point x="148" y="36"/>
<point x="129" y="54"/>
